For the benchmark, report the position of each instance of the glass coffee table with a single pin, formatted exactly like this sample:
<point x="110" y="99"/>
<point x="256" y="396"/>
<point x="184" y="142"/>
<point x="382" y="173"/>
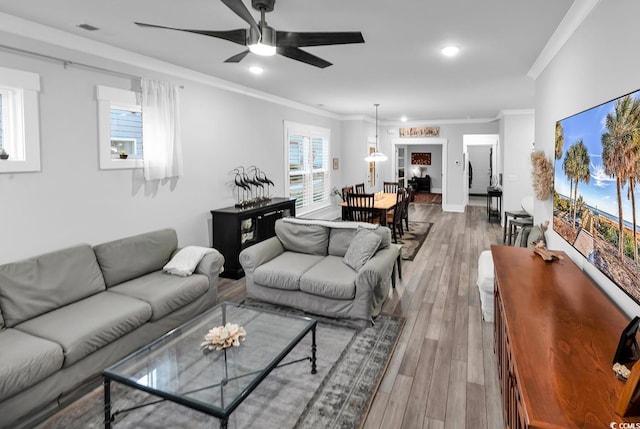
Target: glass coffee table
<point x="175" y="368"/>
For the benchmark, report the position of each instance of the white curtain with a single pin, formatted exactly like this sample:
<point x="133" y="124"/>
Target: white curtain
<point x="161" y="130"/>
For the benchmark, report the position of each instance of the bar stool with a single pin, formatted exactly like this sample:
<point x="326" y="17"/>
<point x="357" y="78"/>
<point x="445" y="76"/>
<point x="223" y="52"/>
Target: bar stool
<point x="515" y="214"/>
<point x="516" y="224"/>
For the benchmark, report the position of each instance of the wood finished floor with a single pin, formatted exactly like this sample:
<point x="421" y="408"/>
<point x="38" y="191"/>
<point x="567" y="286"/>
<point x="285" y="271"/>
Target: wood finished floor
<point x="443" y="371"/>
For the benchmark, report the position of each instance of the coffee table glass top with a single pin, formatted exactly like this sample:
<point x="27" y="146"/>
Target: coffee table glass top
<point x="174" y="367"/>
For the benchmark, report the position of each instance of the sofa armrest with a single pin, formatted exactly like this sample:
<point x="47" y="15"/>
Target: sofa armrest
<point x="211" y="265"/>
<point x="379" y="268"/>
<point x="256" y="255"/>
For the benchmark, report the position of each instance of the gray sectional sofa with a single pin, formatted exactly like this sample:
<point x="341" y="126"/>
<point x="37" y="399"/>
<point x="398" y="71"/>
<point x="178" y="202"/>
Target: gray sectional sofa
<point x="306" y="266"/>
<point x="66" y="315"/>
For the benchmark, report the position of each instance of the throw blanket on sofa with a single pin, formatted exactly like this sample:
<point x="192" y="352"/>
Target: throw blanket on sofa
<point x="185" y="261"/>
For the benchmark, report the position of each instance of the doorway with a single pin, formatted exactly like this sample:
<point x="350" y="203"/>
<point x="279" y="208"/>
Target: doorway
<point x="480" y="152"/>
<point x="409" y="144"/>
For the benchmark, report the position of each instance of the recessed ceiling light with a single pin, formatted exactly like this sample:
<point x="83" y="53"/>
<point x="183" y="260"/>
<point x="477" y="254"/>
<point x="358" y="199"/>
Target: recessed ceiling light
<point x="256" y="69"/>
<point x="403" y="119"/>
<point x="450" y="51"/>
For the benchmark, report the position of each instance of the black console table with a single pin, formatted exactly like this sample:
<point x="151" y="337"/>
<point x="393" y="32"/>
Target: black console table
<point x="493" y="192"/>
<point x="421" y="183"/>
<point x="237" y="228"/>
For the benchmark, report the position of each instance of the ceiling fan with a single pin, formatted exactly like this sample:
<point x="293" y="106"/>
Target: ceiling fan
<point x="262" y="39"/>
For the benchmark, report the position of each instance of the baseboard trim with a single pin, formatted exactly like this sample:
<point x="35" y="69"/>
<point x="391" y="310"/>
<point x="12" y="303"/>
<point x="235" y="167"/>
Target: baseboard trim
<point x="456" y="208"/>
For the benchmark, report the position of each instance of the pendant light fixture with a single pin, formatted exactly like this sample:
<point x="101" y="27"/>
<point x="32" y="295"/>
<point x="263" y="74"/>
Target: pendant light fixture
<point x="376" y="156"/>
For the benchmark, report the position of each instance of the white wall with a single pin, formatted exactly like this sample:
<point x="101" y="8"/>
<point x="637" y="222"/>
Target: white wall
<point x="518" y="134"/>
<point x="72" y="201"/>
<point x="434" y="171"/>
<point x="598" y="63"/>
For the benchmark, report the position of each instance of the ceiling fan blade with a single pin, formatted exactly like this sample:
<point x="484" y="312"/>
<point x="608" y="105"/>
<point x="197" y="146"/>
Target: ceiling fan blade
<point x="241" y="10"/>
<point x="298" y="39"/>
<point x="305" y="57"/>
<point x="236" y="36"/>
<point x="237" y="57"/>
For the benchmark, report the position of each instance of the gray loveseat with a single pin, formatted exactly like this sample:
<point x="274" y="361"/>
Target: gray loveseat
<point x="66" y="315"/>
<point x="304" y="267"/>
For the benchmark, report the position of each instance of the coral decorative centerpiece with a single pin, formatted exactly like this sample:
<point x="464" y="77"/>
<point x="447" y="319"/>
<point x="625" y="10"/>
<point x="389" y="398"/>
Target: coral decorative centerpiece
<point x="222" y="337"/>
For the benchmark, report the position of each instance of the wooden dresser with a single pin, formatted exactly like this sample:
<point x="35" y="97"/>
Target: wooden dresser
<point x="555" y="335"/>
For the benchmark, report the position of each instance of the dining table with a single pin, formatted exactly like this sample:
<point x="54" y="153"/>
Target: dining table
<point x="383" y="202"/>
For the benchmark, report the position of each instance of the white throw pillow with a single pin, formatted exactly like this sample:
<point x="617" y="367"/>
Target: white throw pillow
<point x="185" y="261"/>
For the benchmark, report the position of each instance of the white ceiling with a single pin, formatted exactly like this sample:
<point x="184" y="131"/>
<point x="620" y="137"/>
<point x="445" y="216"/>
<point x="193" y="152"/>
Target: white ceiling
<point x="398" y="66"/>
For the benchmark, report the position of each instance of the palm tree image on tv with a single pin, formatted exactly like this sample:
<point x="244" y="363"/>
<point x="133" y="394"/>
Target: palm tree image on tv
<point x="597" y="169"/>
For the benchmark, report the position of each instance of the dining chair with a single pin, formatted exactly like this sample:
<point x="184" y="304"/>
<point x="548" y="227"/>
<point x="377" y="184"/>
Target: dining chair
<point x="405" y="213"/>
<point x="345" y="191"/>
<point x="360" y="208"/>
<point x="394" y="219"/>
<point x="359" y="188"/>
<point x="390" y="187"/>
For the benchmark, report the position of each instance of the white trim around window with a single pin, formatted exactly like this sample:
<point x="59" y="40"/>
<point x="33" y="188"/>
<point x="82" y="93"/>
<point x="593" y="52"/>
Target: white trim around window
<point x="115" y="98"/>
<point x="20" y="121"/>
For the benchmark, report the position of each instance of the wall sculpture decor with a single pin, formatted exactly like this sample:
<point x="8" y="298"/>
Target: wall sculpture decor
<point x="252" y="188"/>
<point x="420" y="132"/>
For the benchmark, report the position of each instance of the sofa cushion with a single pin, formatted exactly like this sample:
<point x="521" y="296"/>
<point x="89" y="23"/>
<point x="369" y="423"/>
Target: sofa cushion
<point x="330" y="278"/>
<point x="284" y="271"/>
<point x="25" y="360"/>
<point x="40" y="284"/>
<point x="131" y="257"/>
<point x="164" y="292"/>
<point x="363" y="246"/>
<point x="85" y="326"/>
<point x="303" y="238"/>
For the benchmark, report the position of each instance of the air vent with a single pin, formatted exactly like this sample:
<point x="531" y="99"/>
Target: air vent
<point x="87" y="27"/>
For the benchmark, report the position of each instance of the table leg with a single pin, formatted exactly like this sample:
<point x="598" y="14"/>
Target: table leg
<point x="224" y="423"/>
<point x="107" y="403"/>
<point x="504" y="233"/>
<point x="313" y="351"/>
<point x="345" y="213"/>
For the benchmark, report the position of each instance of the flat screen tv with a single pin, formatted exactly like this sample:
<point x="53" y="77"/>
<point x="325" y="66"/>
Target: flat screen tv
<point x="595" y="204"/>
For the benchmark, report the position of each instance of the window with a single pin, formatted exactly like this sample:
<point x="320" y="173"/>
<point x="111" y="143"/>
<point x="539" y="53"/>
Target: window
<point x="307" y="164"/>
<point x="126" y="133"/>
<point x="19" y="123"/>
<point x="120" y="129"/>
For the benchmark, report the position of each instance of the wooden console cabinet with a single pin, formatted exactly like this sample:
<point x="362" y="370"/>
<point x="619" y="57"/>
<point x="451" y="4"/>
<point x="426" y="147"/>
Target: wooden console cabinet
<point x="237" y="228"/>
<point x="556" y="334"/>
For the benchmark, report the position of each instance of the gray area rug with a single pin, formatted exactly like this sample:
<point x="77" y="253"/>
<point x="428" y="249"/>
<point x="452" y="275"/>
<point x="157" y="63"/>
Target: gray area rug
<point x="351" y="364"/>
<point x="413" y="238"/>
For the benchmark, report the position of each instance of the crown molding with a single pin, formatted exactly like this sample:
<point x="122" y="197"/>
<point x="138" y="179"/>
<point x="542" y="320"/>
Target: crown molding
<point x="513" y="112"/>
<point x="575" y="16"/>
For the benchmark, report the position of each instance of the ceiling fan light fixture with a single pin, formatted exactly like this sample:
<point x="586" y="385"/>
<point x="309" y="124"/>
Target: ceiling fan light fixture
<point x="262" y="43"/>
<point x="263" y="50"/>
